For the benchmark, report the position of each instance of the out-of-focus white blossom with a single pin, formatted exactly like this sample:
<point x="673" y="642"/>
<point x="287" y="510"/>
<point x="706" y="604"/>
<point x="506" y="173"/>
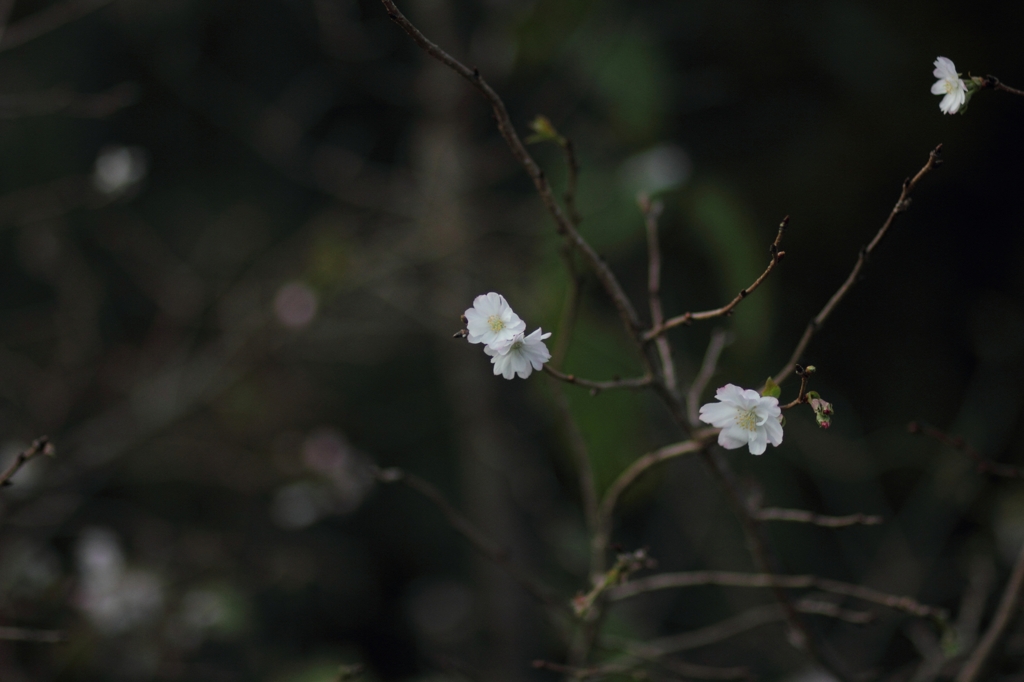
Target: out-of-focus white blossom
<point x="114" y="597"/>
<point x="949" y="84"/>
<point x="520" y="356"/>
<point x="492" y="321"/>
<point x="745" y="417"/>
<point x="119" y="168"/>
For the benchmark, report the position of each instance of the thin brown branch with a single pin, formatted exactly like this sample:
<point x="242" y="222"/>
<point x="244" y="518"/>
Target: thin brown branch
<point x="651" y="212"/>
<point x="598" y="386"/>
<point x="1008" y="606"/>
<point x="40" y="446"/>
<point x="902" y="204"/>
<point x="483" y="544"/>
<point x="13" y="634"/>
<point x="664" y="581"/>
<point x="802" y="516"/>
<point x="981" y="463"/>
<point x="719" y="340"/>
<point x="564" y="224"/>
<point x="733" y="626"/>
<point x="44" y="21"/>
<point x="636" y="469"/>
<point x="687" y="318"/>
<point x="801" y="396"/>
<point x="993" y="83"/>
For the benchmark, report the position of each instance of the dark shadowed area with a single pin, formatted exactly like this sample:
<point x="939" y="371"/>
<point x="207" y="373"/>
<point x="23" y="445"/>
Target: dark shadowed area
<point x="237" y="236"/>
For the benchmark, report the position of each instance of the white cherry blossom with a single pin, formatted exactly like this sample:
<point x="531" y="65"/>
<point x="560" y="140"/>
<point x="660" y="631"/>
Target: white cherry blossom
<point x="520" y="356"/>
<point x="491" y="321"/>
<point x="949" y="84"/>
<point x="745" y="417"/>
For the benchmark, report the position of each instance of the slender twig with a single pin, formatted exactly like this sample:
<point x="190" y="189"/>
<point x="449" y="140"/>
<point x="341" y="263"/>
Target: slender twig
<point x="40" y="446"/>
<point x="651" y="212"/>
<point x="598" y="386"/>
<point x="993" y="83"/>
<point x="44" y="21"/>
<point x="664" y="581"/>
<point x="719" y="340"/>
<point x="902" y="204"/>
<point x="801" y="395"/>
<point x="687" y="318"/>
<point x="564" y="224"/>
<point x="611" y="497"/>
<point x="1008" y="605"/>
<point x="982" y="464"/>
<point x="13" y="634"/>
<point x="802" y="516"/>
<point x="732" y="626"/>
<point x="483" y="544"/>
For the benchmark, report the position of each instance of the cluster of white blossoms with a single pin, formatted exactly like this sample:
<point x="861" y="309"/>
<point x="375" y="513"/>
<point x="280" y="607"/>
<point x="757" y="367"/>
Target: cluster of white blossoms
<point x="492" y="322"/>
<point x="746" y="418"/>
<point x="949" y="84"/>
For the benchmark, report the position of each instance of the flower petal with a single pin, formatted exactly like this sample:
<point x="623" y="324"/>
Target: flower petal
<point x="733" y="437"/>
<point x="758" y="441"/>
<point x="730" y="393"/>
<point x="773" y="429"/>
<point x="718" y="414"/>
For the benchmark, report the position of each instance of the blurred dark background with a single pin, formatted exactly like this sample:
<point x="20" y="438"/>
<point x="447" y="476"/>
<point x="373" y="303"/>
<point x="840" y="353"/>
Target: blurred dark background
<point x="238" y="235"/>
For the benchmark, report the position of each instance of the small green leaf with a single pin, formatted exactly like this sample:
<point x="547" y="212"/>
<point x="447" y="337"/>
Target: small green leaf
<point x="771" y="389"/>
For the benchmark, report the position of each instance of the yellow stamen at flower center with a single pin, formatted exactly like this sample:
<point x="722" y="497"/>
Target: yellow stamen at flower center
<point x="951" y="86"/>
<point x="746" y="419"/>
<point x="495" y="323"/>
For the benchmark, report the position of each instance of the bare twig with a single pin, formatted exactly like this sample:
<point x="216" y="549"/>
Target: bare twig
<point x="664" y="581"/>
<point x="982" y="464"/>
<point x="651" y="212"/>
<point x="13" y="634"/>
<point x="474" y="535"/>
<point x="44" y="21"/>
<point x="1008" y="605"/>
<point x="611" y="497"/>
<point x="902" y="204"/>
<point x="802" y="516"/>
<point x="687" y="318"/>
<point x="564" y="225"/>
<point x="735" y="625"/>
<point x="598" y="386"/>
<point x="40" y="446"/>
<point x="719" y="340"/>
<point x="801" y="395"/>
<point x="992" y="83"/>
